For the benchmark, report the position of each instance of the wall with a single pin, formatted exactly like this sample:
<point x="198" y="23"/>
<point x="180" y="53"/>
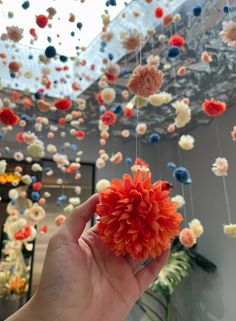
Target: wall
<point x="203" y="297"/>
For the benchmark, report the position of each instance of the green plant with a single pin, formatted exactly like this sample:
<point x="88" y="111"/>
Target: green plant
<point x="175" y="272"/>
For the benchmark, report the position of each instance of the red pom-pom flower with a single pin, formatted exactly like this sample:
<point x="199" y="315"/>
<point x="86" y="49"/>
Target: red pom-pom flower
<point x="63" y="104"/>
<point x="159" y="12"/>
<point x="108" y="118"/>
<point x="41" y="21"/>
<point x="213" y="108"/>
<point x="177" y="41"/>
<point x="137" y="217"/>
<point x="8" y="117"/>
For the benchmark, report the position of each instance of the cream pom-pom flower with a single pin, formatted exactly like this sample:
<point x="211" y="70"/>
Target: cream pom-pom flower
<point x="108" y="95"/>
<point x="183" y="114"/>
<point x="75" y="201"/>
<point x="13" y="194"/>
<point x="230" y="230"/>
<point x="141" y="128"/>
<point x="154" y="60"/>
<point x="220" y="167"/>
<point x="35" y="214"/>
<point x="196" y="226"/>
<point x="26" y="179"/>
<point x="186" y="142"/>
<point x="179" y="200"/>
<point x="36" y="149"/>
<point x="102" y="184"/>
<point x="3" y="166"/>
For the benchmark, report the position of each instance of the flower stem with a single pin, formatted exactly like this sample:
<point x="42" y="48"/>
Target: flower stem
<point x="147" y="308"/>
<point x="169" y="309"/>
<point x="157" y="299"/>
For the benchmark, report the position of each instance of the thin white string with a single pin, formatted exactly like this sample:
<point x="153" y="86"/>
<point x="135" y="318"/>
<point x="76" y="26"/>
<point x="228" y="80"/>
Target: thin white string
<point x="191" y="200"/>
<point x="137" y="115"/>
<point x="182" y="190"/>
<point x="230" y="16"/>
<point x="224" y="180"/>
<point x="159" y="157"/>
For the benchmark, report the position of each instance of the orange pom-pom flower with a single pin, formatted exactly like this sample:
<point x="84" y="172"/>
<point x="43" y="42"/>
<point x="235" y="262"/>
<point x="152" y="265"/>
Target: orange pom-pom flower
<point x="137" y="217"/>
<point x="213" y="108"/>
<point x="63" y="104"/>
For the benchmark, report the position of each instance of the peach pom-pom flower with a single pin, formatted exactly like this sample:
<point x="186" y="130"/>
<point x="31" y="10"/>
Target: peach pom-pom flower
<point x="233" y="134"/>
<point x="228" y="34"/>
<point x="145" y="80"/>
<point x="137" y="217"/>
<point x="187" y="238"/>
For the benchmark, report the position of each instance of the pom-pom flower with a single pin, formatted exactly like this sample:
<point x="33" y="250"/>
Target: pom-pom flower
<point x="187" y="238"/>
<point x="8" y="117"/>
<point x="59" y="220"/>
<point x="159" y="12"/>
<point x="213" y="108"/>
<point x="177" y="41"/>
<point x="42" y="21"/>
<point x="14" y="33"/>
<point x="102" y="184"/>
<point x="108" y="118"/>
<point x="116" y="158"/>
<point x="196" y="226"/>
<point x="137" y="217"/>
<point x="186" y="142"/>
<point x="206" y="58"/>
<point x="220" y="167"/>
<point x="167" y="20"/>
<point x="132" y="40"/>
<point x="141" y="128"/>
<point x="183" y="114"/>
<point x="230" y="230"/>
<point x="108" y="95"/>
<point x="63" y="104"/>
<point x="179" y="200"/>
<point x="3" y="166"/>
<point x="112" y="72"/>
<point x="145" y="80"/>
<point x="233" y="134"/>
<point x="35" y="214"/>
<point x="228" y="34"/>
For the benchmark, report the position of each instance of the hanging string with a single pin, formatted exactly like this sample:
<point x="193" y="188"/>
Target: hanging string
<point x="191" y="200"/>
<point x="182" y="190"/>
<point x="159" y="157"/>
<point x="224" y="180"/>
<point x="137" y="113"/>
<point x="230" y="16"/>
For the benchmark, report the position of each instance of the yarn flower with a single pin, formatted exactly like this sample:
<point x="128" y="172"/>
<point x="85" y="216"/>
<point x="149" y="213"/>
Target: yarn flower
<point x="102" y="184"/>
<point x="137" y="217"/>
<point x="196" y="226"/>
<point x="206" y="58"/>
<point x="183" y="114"/>
<point x="213" y="108"/>
<point x="186" y="142"/>
<point x="108" y="118"/>
<point x="8" y="117"/>
<point x="14" y="33"/>
<point x="112" y="72"/>
<point x="233" y="134"/>
<point x="145" y="80"/>
<point x="179" y="200"/>
<point x="230" y="230"/>
<point x="108" y="95"/>
<point x="220" y="167"/>
<point x="132" y="40"/>
<point x="116" y="158"/>
<point x="35" y="214"/>
<point x="187" y="238"/>
<point x="36" y="149"/>
<point x="42" y="21"/>
<point x="3" y="166"/>
<point x="177" y="41"/>
<point x="228" y="34"/>
<point x="63" y="104"/>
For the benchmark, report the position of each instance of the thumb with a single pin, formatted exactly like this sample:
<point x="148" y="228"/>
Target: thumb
<point x="76" y="222"/>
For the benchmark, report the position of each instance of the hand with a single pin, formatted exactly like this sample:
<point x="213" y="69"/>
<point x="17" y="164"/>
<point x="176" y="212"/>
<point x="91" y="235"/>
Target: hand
<point x="82" y="280"/>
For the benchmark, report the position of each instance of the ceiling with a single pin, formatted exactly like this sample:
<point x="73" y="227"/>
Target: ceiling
<point x="201" y="81"/>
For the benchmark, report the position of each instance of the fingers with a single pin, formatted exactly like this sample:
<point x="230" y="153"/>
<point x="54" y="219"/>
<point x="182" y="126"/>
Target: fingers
<point x="135" y="264"/>
<point x="76" y="222"/>
<point x="147" y="275"/>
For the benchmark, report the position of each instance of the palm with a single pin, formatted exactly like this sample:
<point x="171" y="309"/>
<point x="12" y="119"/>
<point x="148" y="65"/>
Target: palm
<point x="81" y="279"/>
